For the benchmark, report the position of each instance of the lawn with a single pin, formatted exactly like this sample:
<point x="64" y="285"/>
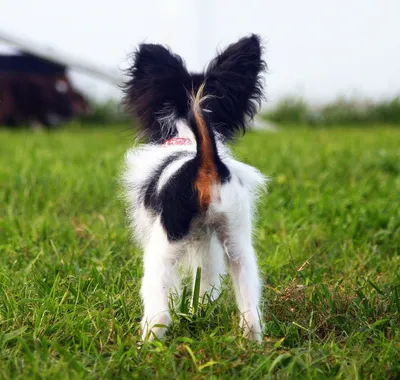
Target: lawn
<point x="328" y="244"/>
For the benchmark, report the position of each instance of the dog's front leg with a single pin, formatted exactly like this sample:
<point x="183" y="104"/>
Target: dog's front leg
<point x="160" y="273"/>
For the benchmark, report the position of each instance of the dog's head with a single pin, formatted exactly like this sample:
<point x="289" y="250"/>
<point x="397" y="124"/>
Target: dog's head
<point x="159" y="89"/>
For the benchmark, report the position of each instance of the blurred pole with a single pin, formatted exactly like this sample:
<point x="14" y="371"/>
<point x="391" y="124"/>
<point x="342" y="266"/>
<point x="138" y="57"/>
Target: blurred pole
<point x="169" y="19"/>
<point x="57" y="57"/>
<point x="203" y="31"/>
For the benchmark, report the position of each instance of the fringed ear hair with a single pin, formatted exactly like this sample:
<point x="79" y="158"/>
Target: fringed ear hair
<point x="156" y="92"/>
<point x="234" y="81"/>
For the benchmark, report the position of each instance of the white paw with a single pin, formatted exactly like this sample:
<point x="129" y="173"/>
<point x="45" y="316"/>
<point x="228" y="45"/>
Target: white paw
<point x="251" y="326"/>
<point x="155" y="326"/>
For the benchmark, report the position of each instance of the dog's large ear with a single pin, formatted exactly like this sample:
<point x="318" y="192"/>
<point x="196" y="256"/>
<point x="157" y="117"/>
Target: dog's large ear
<point x="233" y="79"/>
<point x="156" y="92"/>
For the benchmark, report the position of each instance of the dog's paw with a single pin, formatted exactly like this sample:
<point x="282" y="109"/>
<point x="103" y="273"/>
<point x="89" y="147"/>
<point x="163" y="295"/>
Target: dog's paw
<point x="155" y="326"/>
<point x="251" y="326"/>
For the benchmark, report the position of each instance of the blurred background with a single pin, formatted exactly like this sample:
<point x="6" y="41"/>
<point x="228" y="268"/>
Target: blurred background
<point x="330" y="62"/>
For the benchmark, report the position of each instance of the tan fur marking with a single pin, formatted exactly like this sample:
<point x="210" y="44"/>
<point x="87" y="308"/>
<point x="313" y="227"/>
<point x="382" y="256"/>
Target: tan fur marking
<point x="207" y="174"/>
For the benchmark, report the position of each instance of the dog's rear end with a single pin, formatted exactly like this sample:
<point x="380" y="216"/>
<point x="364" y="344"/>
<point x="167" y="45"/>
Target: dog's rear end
<point x="192" y="201"/>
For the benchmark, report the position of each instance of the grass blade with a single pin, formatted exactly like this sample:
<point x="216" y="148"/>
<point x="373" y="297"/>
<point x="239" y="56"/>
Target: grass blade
<point x="196" y="291"/>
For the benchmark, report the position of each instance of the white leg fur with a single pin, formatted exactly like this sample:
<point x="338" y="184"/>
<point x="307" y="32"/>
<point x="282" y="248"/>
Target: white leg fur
<point x="160" y="275"/>
<point x="243" y="270"/>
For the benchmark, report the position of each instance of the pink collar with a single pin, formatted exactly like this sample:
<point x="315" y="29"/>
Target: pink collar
<point x="177" y="141"/>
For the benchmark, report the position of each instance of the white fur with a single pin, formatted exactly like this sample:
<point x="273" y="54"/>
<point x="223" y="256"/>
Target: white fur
<point x="219" y="240"/>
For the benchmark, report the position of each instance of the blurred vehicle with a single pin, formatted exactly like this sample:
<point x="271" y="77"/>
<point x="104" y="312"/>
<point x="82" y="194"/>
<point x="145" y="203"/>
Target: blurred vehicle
<point x="34" y="90"/>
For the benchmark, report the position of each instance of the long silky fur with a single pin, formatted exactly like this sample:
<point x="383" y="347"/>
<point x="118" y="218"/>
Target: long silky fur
<point x="158" y="81"/>
<point x="235" y="81"/>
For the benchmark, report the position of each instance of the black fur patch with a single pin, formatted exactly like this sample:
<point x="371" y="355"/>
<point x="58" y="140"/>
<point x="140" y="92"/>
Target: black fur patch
<point x="150" y="187"/>
<point x="234" y="82"/>
<point x="159" y="84"/>
<point x="177" y="202"/>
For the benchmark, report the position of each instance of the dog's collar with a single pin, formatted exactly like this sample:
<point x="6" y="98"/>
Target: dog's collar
<point x="177" y="141"/>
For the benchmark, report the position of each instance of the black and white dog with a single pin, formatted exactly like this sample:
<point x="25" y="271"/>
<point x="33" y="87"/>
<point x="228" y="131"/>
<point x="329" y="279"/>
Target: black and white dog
<point x="189" y="200"/>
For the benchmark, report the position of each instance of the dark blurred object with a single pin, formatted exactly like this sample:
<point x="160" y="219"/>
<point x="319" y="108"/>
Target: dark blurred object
<point x="35" y="91"/>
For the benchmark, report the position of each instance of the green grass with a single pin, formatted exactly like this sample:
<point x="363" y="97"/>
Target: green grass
<point x="328" y="243"/>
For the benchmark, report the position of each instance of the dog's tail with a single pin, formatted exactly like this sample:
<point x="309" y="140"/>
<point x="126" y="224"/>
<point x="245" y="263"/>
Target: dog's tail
<point x="209" y="170"/>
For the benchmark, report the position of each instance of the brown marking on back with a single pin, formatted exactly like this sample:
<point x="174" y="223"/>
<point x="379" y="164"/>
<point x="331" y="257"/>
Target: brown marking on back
<point x="207" y="174"/>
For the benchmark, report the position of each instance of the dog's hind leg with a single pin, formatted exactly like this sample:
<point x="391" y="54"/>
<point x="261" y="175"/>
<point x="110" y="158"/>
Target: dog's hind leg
<point x="236" y="239"/>
<point x="160" y="275"/>
<point x="245" y="278"/>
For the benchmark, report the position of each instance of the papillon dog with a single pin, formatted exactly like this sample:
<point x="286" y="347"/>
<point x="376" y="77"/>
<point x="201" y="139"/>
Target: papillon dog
<point x="189" y="201"/>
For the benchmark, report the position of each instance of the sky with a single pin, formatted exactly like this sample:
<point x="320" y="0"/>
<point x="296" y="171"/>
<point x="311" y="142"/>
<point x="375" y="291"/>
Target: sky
<point x="313" y="48"/>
